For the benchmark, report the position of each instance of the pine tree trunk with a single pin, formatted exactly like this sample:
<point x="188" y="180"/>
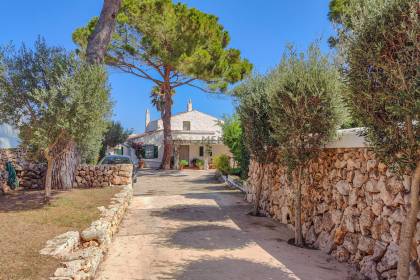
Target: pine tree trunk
<point x="101" y="36"/>
<point x="256" y="211"/>
<point x="65" y="165"/>
<point x="298" y="209"/>
<point x="409" y="228"/>
<point x="166" y="114"/>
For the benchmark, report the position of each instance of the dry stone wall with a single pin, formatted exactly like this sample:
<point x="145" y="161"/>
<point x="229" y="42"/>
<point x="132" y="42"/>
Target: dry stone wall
<point x="92" y="176"/>
<point x="81" y="253"/>
<point x="353" y="207"/>
<point x="30" y="174"/>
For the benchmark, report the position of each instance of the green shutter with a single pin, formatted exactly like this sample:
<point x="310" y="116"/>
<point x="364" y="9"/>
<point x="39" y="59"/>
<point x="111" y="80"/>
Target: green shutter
<point x="143" y="152"/>
<point x="155" y="152"/>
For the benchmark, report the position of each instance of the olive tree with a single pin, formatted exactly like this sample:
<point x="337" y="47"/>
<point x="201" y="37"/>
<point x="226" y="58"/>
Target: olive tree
<point x="303" y="97"/>
<point x="383" y="72"/>
<point x="170" y="45"/>
<point x="254" y="111"/>
<point x="58" y="103"/>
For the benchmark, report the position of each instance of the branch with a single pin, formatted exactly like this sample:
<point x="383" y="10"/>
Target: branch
<point x="121" y="63"/>
<point x="183" y="83"/>
<point x="156" y="67"/>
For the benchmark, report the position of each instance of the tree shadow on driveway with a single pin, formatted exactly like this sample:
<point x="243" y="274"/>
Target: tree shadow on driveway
<point x="192" y="213"/>
<point x="209" y="237"/>
<point x="230" y="269"/>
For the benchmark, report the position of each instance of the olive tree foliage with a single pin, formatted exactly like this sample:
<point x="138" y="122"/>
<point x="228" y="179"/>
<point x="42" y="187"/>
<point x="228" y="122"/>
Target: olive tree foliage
<point x="233" y="138"/>
<point x="254" y="112"/>
<point x="383" y="73"/>
<point x="346" y="14"/>
<point x="57" y="102"/>
<point x="303" y="115"/>
<point x="170" y="45"/>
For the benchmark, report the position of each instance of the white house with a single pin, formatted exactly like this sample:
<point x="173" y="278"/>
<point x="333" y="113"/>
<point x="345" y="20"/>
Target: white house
<point x="195" y="135"/>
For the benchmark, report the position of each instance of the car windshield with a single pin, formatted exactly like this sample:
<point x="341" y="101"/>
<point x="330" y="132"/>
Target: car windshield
<point x="116" y="160"/>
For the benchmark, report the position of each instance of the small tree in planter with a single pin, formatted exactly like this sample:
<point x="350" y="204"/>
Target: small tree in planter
<point x="383" y="72"/>
<point x="302" y="113"/>
<point x="254" y="112"/>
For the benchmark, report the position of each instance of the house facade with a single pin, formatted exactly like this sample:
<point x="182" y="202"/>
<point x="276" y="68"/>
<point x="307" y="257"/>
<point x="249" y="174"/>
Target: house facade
<point x="195" y="135"/>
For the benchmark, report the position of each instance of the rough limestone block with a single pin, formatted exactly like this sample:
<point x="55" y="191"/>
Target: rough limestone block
<point x="62" y="245"/>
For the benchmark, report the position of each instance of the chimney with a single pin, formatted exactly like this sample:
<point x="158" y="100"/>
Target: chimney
<point x="147" y="119"/>
<point x="189" y="105"/>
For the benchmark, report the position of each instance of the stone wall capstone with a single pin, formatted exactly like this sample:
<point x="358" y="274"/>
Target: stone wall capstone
<point x="353" y="207"/>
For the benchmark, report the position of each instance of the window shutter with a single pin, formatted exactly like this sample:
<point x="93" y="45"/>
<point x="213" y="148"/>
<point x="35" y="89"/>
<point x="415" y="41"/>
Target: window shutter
<point x="143" y="152"/>
<point x="155" y="152"/>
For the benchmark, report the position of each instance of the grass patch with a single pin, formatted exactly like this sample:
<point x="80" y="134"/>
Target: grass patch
<point x="26" y="223"/>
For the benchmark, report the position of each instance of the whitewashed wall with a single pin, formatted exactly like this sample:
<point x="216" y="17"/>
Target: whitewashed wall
<point x="199" y="122"/>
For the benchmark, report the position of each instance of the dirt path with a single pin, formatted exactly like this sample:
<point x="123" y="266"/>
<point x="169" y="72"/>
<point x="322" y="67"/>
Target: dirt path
<point x="187" y="226"/>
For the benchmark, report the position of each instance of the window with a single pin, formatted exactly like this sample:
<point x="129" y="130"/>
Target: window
<point x="186" y="125"/>
<point x="150" y="151"/>
<point x="201" y="152"/>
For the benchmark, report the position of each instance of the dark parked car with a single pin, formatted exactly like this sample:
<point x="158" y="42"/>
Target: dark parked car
<point x="117" y="159"/>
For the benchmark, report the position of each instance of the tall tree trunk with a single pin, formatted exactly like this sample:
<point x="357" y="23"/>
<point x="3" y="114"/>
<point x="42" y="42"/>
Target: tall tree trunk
<point x="298" y="209"/>
<point x="409" y="227"/>
<point x="65" y="164"/>
<point x="48" y="176"/>
<point x="256" y="211"/>
<point x="101" y="36"/>
<point x="166" y="114"/>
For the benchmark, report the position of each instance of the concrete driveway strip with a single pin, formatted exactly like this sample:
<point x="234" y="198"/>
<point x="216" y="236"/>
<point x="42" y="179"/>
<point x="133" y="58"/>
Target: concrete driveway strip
<point x="186" y="225"/>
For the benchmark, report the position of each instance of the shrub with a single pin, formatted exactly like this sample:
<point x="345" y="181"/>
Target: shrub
<point x="199" y="163"/>
<point x="183" y="163"/>
<point x="222" y="164"/>
<point x="233" y="138"/>
<point x="237" y="171"/>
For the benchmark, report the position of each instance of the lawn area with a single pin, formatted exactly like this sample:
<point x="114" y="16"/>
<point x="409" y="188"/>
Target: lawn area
<point x="26" y="224"/>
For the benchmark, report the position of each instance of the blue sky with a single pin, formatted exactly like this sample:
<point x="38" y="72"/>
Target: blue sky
<point x="260" y="29"/>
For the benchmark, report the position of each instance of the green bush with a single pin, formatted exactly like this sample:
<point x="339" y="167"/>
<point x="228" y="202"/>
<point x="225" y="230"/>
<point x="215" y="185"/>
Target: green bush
<point x="222" y="164"/>
<point x="199" y="163"/>
<point x="237" y="171"/>
<point x="233" y="138"/>
<point x="196" y="162"/>
<point x="183" y="163"/>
